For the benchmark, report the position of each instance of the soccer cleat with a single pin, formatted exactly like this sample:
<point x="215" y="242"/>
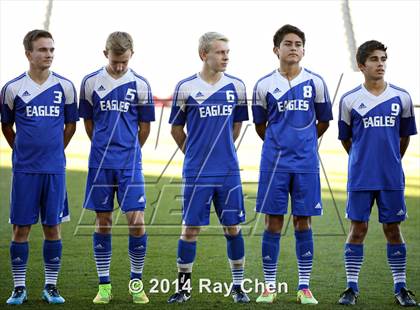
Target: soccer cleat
<point x="305" y="297"/>
<point x="267" y="297"/>
<point x="18" y="297"/>
<point x="239" y="296"/>
<point x="180" y="297"/>
<point x="104" y="295"/>
<point x="348" y="297"/>
<point x="403" y="298"/>
<point x="51" y="295"/>
<point x="139" y="296"/>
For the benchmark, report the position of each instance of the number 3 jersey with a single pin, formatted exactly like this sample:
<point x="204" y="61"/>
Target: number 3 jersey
<point x="375" y="125"/>
<point x="290" y="109"/>
<point x="39" y="113"/>
<point x="116" y="106"/>
<point x="209" y="111"/>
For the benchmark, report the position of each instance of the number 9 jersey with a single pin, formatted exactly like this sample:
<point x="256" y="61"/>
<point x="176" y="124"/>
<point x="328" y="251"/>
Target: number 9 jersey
<point x="375" y="125"/>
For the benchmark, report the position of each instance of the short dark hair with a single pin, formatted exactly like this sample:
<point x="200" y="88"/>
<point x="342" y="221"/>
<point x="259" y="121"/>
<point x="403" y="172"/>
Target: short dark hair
<point x="34" y="35"/>
<point x="286" y="29"/>
<point x="366" y="49"/>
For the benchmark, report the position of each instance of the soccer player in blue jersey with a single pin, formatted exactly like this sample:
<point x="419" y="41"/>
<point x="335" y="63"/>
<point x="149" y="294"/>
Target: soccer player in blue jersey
<point x="117" y="106"/>
<point x="291" y="110"/>
<point x="43" y="107"/>
<point x="375" y="124"/>
<point x="213" y="105"/>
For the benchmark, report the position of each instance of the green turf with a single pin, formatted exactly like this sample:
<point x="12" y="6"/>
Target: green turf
<point x="78" y="280"/>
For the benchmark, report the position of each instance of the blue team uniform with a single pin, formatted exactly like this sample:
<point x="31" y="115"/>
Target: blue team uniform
<point x="375" y="125"/>
<point x="211" y="169"/>
<point x="39" y="113"/>
<point x="289" y="157"/>
<point x="116" y="106"/>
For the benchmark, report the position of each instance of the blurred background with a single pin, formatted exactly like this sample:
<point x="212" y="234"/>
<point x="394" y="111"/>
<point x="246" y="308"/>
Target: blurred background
<point x="166" y="50"/>
<point x="166" y="38"/>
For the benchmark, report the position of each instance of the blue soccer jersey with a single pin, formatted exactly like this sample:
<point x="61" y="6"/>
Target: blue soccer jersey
<point x="209" y="111"/>
<point x="116" y="106"/>
<point x="375" y="125"/>
<point x="290" y="109"/>
<point x="39" y="113"/>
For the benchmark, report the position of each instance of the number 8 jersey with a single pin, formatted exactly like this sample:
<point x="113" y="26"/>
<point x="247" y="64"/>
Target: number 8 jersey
<point x="375" y="125"/>
<point x="290" y="109"/>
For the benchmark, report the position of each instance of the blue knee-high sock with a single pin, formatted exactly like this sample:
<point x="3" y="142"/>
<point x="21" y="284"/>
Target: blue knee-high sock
<point x="236" y="254"/>
<point x="353" y="259"/>
<point x="137" y="253"/>
<point x="185" y="260"/>
<point x="304" y="255"/>
<point x="52" y="260"/>
<point x="186" y="255"/>
<point x="19" y="252"/>
<point x="397" y="258"/>
<point x="270" y="251"/>
<point x="102" y="249"/>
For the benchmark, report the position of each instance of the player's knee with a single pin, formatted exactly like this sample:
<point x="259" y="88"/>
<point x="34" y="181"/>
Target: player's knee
<point x="274" y="223"/>
<point x="135" y="219"/>
<point x="104" y="220"/>
<point x="190" y="234"/>
<point x="103" y="223"/>
<point x="137" y="231"/>
<point x="52" y="232"/>
<point x="393" y="233"/>
<point x="21" y="233"/>
<point x="358" y="232"/>
<point x="301" y="222"/>
<point x="232" y="230"/>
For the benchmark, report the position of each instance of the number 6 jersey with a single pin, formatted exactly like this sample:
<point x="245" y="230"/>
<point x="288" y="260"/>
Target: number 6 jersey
<point x="209" y="111"/>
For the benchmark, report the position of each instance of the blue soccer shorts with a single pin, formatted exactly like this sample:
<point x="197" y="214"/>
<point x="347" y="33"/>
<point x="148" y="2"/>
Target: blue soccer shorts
<point x="103" y="184"/>
<point x="274" y="188"/>
<point x="391" y="205"/>
<point x="35" y="194"/>
<point x="224" y="191"/>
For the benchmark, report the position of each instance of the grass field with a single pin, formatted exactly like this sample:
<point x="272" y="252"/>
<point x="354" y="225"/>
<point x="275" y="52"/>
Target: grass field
<point x="78" y="280"/>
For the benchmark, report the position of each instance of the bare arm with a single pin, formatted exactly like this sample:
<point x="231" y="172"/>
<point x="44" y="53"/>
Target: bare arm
<point x="69" y="130"/>
<point x="322" y="127"/>
<point x="9" y="133"/>
<point x="404" y="142"/>
<point x="178" y="133"/>
<point x="347" y="145"/>
<point x="236" y="130"/>
<point x="144" y="131"/>
<point x="89" y="128"/>
<point x="260" y="129"/>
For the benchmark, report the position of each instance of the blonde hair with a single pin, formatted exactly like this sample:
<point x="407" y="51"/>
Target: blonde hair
<point x="119" y="42"/>
<point x="206" y="39"/>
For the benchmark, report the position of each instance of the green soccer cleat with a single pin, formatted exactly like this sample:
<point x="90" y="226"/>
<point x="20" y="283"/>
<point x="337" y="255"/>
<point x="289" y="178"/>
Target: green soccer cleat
<point x="139" y="296"/>
<point x="267" y="297"/>
<point x="305" y="297"/>
<point x="104" y="295"/>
